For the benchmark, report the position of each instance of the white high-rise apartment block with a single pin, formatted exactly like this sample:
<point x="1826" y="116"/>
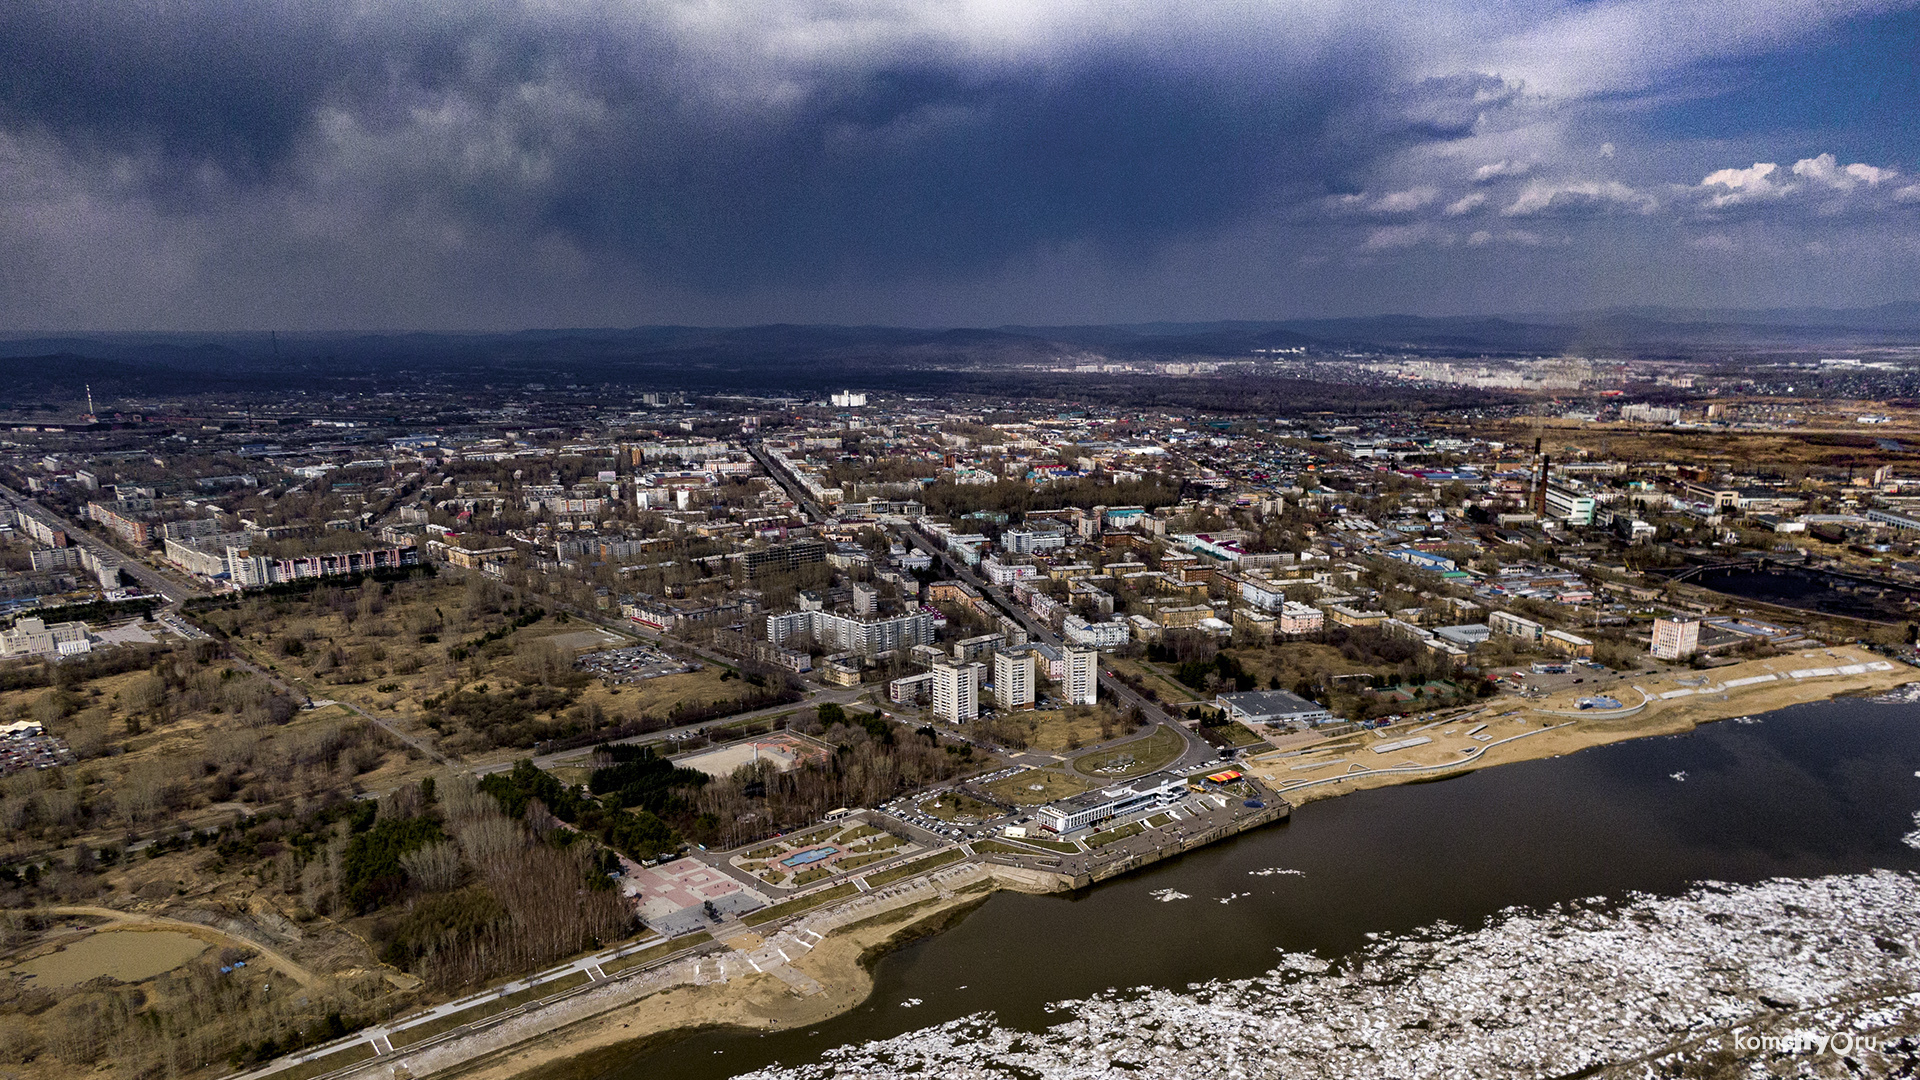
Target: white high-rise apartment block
<point x="1083" y="676"/>
<point x="1675" y="639"/>
<point x="849" y="399"/>
<point x="1013" y="676"/>
<point x="956" y="692"/>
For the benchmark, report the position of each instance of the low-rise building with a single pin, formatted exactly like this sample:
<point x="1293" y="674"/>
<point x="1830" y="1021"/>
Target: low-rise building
<point x="1506" y="622"/>
<point x="1562" y="642"/>
<point x="1301" y="619"/>
<point x="33" y="637"/>
<point x="1092" y="807"/>
<point x="1272" y="707"/>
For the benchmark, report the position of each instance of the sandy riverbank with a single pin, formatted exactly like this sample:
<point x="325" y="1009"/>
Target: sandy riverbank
<point x="841" y="962"/>
<point x="841" y="965"/>
<point x="1528" y="730"/>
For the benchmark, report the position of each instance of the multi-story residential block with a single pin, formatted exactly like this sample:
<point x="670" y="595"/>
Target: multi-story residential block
<point x="1506" y="622"/>
<point x="1675" y="638"/>
<point x="843" y="633"/>
<point x="1081" y="677"/>
<point x="1100" y="635"/>
<point x="956" y="692"/>
<point x="1300" y="619"/>
<point x="1013" y="678"/>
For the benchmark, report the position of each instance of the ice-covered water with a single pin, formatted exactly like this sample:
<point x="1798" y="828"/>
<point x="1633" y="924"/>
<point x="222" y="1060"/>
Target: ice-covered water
<point x="1787" y="972"/>
<point x="1821" y="792"/>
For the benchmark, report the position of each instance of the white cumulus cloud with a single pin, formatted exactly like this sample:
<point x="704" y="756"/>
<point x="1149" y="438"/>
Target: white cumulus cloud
<point x="1500" y="169"/>
<point x="1402" y="202"/>
<point x="1733" y="186"/>
<point x="1466" y="204"/>
<point x="1826" y="170"/>
<point x="1574" y="196"/>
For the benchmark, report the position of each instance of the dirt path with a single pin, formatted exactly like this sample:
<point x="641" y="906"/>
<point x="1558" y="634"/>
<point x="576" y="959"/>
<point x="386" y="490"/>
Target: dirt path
<point x="122" y="919"/>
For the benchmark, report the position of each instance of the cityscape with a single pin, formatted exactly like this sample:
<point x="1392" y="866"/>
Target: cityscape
<point x="889" y="539"/>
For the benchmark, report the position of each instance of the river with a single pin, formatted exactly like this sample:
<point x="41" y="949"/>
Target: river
<point x="1826" y="788"/>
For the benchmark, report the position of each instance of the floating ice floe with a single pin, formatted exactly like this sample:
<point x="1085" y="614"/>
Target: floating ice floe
<point x="1912" y="839"/>
<point x="909" y="1003"/>
<point x="1679" y="983"/>
<point x="1168" y="896"/>
<point x="1232" y="896"/>
<point x="1276" y="870"/>
<point x="1680" y="776"/>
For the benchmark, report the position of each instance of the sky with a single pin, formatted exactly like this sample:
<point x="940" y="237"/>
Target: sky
<point x="476" y="165"/>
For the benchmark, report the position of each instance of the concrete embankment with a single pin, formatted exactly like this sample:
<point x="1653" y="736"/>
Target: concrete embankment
<point x="802" y="972"/>
<point x="806" y="971"/>
<point x="1276" y="810"/>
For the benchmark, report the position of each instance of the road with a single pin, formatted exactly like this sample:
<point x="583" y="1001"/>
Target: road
<point x="1198" y="750"/>
<point x="174" y="590"/>
<point x="846" y="696"/>
<point x="294" y="688"/>
<point x="120" y="919"/>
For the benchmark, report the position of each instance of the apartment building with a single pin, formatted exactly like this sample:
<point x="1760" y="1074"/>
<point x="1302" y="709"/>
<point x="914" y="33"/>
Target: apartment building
<point x="1082" y="676"/>
<point x="1675" y="638"/>
<point x="1506" y="622"/>
<point x="956" y="692"/>
<point x="1013" y="678"/>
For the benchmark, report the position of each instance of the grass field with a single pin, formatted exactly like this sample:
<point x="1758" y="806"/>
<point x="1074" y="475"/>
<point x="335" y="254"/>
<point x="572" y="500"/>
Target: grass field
<point x="995" y="847"/>
<point x="800" y="904"/>
<point x="1239" y="735"/>
<point x="321" y="1066"/>
<point x="655" y="952"/>
<point x="1052" y="784"/>
<point x="918" y="866"/>
<point x="953" y="806"/>
<point x="1136" y="758"/>
<point x="1060" y="846"/>
<point x="422" y="1032"/>
<point x="1169" y="689"/>
<point x="855" y="862"/>
<point x="1102" y="839"/>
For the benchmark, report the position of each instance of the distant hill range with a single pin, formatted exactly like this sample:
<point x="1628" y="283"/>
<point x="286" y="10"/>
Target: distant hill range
<point x="787" y="357"/>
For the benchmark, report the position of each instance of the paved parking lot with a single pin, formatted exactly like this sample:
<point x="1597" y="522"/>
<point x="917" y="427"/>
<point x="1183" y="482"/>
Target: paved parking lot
<point x="633" y="664"/>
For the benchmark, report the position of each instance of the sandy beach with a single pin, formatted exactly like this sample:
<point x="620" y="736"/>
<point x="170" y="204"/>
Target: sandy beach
<point x="1509" y="729"/>
<point x="840" y="964"/>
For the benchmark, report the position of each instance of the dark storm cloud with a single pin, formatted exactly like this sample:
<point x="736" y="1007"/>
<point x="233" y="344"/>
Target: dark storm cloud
<point x="231" y="81"/>
<point x="609" y="130"/>
<point x="515" y="162"/>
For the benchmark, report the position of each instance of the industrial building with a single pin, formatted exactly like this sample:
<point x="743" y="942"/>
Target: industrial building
<point x="1272" y="707"/>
